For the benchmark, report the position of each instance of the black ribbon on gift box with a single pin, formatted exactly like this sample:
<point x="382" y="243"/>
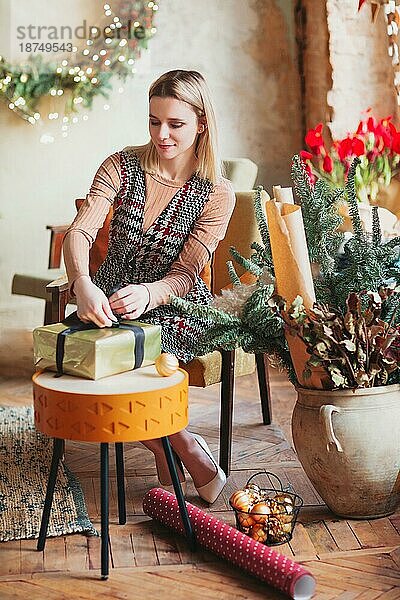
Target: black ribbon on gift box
<point x="74" y="324"/>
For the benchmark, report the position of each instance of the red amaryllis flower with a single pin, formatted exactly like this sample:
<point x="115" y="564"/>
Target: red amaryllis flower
<point x="358" y="147"/>
<point x="327" y="164"/>
<point x="305" y="155"/>
<point x="396" y="143"/>
<point x="362" y="128"/>
<point x="314" y="139"/>
<point x="344" y="148"/>
<point x="371" y="124"/>
<point x="386" y="122"/>
<point x="391" y="128"/>
<point x="383" y="135"/>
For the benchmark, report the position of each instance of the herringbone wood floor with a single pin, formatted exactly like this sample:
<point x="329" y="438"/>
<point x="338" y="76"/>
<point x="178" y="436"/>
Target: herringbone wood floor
<point x="350" y="559"/>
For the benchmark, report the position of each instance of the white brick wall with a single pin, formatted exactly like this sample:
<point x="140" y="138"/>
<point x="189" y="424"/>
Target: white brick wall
<point x="362" y="74"/>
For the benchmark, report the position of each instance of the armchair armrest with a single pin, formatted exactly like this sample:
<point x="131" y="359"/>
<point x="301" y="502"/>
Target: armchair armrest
<point x="56" y="240"/>
<point x="58" y="297"/>
<point x="60" y="284"/>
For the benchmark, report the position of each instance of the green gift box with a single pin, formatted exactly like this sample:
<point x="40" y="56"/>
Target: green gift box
<point x="97" y="353"/>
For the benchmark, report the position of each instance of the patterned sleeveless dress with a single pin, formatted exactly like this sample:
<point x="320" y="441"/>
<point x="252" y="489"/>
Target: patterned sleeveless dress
<point x="135" y="257"/>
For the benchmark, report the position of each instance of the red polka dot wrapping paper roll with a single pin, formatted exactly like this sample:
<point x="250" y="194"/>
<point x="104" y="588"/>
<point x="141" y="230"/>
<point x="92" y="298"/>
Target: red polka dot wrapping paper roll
<point x="227" y="542"/>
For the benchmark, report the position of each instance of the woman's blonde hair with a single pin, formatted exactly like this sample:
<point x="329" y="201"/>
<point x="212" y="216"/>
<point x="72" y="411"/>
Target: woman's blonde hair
<point x="190" y="87"/>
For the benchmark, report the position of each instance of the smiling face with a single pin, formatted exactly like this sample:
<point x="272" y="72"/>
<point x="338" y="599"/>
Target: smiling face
<point x="173" y="127"/>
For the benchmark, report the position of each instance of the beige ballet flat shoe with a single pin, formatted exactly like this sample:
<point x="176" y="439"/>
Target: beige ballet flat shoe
<point x="211" y="490"/>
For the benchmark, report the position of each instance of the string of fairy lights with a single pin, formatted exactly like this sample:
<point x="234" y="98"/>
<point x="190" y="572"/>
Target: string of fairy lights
<point x="84" y="75"/>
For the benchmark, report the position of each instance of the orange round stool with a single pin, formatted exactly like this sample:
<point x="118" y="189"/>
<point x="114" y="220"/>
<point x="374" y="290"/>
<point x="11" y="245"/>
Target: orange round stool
<point x="134" y="406"/>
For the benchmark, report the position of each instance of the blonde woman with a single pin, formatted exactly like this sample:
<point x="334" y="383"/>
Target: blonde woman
<point x="171" y="208"/>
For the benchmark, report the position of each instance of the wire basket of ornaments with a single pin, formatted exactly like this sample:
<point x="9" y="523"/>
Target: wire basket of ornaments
<point x="268" y="515"/>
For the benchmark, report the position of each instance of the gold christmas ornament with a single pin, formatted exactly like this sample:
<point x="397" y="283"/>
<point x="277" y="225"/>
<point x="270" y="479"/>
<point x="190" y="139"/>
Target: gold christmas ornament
<point x="245" y="519"/>
<point x="253" y="487"/>
<point x="254" y="491"/>
<point x="166" y="364"/>
<point x="287" y="528"/>
<point x="276" y="509"/>
<point x="275" y="530"/>
<point x="284" y="499"/>
<point x="241" y="500"/>
<point x="284" y="507"/>
<point x="285" y="518"/>
<point x="261" y="512"/>
<point x="258" y="533"/>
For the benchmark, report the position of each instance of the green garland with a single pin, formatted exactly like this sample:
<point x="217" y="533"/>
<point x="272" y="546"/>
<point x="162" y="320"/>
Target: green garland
<point x="87" y="73"/>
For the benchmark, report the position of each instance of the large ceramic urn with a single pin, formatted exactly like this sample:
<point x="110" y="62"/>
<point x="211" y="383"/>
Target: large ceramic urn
<point x="348" y="443"/>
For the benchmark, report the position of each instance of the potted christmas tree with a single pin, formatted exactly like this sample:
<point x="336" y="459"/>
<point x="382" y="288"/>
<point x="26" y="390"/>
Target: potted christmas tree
<point x="339" y="343"/>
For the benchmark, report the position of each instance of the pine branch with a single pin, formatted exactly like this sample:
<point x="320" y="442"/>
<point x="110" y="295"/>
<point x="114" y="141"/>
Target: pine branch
<point x="393" y="243"/>
<point x="246" y="263"/>
<point x="367" y="264"/>
<point x="302" y="184"/>
<point x="337" y="195"/>
<point x="219" y="336"/>
<point x="262" y="257"/>
<point x="205" y="312"/>
<point x="261" y="219"/>
<point x="376" y="227"/>
<point x="352" y="201"/>
<point x="259" y="249"/>
<point x="320" y="217"/>
<point x="232" y="273"/>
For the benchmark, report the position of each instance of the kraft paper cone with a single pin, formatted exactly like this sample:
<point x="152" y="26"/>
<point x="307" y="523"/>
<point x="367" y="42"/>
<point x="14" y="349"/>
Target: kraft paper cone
<point x="289" y="252"/>
<point x="293" y="274"/>
<point x="283" y="194"/>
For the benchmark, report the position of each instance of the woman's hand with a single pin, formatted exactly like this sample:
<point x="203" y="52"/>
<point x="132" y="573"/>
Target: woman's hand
<point x="130" y="301"/>
<point x="92" y="303"/>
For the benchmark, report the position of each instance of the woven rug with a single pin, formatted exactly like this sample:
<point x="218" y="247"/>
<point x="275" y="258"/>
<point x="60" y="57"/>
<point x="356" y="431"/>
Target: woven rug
<point x="25" y="457"/>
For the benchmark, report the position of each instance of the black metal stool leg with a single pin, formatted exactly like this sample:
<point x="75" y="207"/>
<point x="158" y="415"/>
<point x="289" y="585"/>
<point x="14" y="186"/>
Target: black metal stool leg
<point x="104" y="508"/>
<point x="265" y="388"/>
<point x="226" y="411"/>
<point x="178" y="493"/>
<point x="62" y="454"/>
<point x="58" y="449"/>
<point x="119" y="460"/>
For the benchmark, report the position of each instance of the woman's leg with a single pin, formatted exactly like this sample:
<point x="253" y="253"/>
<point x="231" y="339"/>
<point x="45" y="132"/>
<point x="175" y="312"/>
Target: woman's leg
<point x="196" y="460"/>
<point x="162" y="467"/>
